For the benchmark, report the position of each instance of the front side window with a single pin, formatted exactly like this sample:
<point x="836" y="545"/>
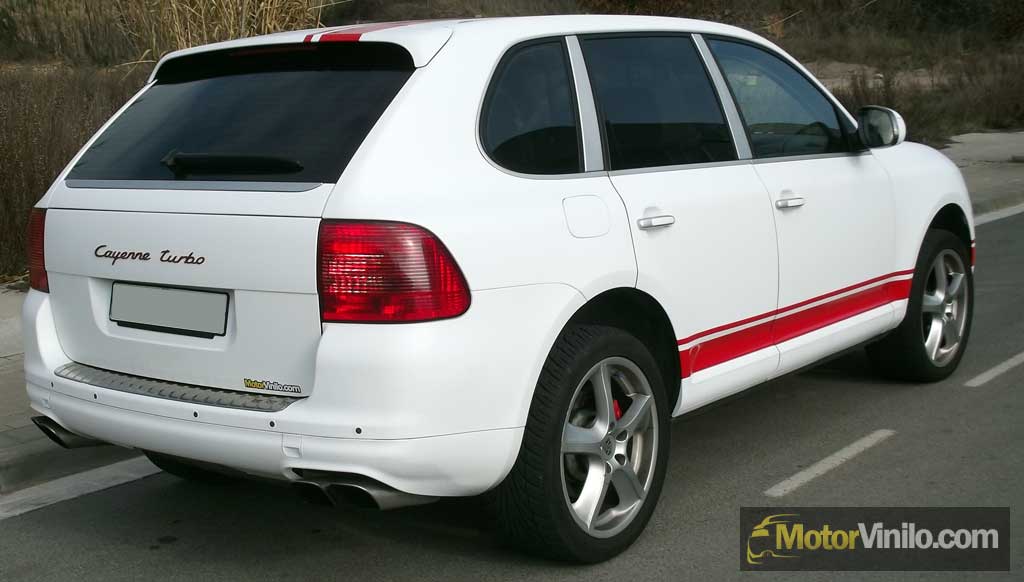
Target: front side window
<point x="529" y="120"/>
<point x="785" y="115"/>
<point x="656" y="102"/>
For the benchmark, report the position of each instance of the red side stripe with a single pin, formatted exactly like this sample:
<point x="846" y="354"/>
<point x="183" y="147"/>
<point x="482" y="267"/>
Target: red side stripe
<point x="725" y="327"/>
<point x="791" y="307"/>
<point x="803" y="322"/>
<point x="784" y="327"/>
<point x="844" y="290"/>
<point x="729" y="347"/>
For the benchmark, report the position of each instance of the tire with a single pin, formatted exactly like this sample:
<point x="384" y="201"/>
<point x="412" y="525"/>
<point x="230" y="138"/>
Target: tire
<point x="188" y="470"/>
<point x="909" y="353"/>
<point x="534" y="504"/>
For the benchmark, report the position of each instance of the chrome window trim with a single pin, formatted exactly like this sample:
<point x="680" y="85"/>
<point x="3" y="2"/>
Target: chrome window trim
<point x="590" y="127"/>
<point x="227" y="186"/>
<point x="732" y="114"/>
<point x="804" y="157"/>
<point x="780" y="159"/>
<point x="678" y="167"/>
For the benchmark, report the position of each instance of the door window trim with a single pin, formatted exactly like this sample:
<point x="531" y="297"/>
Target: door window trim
<point x="732" y="114"/>
<point x="492" y="79"/>
<point x="590" y="125"/>
<point x="714" y="90"/>
<point x="847" y="124"/>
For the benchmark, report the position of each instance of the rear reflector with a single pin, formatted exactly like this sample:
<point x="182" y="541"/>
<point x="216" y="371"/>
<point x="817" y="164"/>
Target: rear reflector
<point x="386" y="272"/>
<point x="37" y="278"/>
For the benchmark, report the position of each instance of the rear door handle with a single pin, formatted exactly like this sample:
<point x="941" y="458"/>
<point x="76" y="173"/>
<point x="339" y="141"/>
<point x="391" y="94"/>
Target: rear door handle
<point x="656" y="221"/>
<point x="784" y="203"/>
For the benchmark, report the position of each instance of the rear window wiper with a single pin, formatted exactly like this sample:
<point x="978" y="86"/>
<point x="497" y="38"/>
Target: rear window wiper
<point x="185" y="164"/>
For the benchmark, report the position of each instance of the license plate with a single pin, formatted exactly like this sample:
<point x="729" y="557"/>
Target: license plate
<point x="169" y="309"/>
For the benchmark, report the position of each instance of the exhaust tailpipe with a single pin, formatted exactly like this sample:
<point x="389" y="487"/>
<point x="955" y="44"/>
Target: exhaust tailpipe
<point x="61" y="435"/>
<point x="346" y="489"/>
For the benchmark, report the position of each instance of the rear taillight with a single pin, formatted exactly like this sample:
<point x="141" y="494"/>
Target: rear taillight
<point x="36" y="260"/>
<point x="386" y="272"/>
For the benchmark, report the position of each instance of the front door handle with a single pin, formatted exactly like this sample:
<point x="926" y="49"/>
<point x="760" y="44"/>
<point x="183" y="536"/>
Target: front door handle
<point x="784" y="203"/>
<point x="656" y="221"/>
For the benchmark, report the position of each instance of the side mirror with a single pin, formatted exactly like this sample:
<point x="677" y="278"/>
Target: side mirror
<point x="880" y="127"/>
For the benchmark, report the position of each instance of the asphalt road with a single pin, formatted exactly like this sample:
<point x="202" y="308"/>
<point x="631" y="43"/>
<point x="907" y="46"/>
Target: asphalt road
<point x="954" y="446"/>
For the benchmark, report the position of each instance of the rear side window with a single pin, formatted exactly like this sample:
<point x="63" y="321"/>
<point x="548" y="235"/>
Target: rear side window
<point x="293" y="113"/>
<point x="529" y="122"/>
<point x="784" y="113"/>
<point x="657" y="104"/>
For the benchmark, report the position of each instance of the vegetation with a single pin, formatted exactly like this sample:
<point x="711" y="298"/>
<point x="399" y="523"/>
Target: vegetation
<point x="948" y="66"/>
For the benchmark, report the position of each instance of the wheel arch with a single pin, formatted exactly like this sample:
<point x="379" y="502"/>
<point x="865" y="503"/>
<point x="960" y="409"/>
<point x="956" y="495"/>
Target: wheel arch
<point x="953" y="219"/>
<point x="641" y="315"/>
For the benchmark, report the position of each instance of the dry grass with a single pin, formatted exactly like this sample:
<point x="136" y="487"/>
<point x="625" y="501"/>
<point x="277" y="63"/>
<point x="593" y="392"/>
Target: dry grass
<point x="382" y="10"/>
<point x="154" y="27"/>
<point x="981" y="92"/>
<point x="110" y="32"/>
<point x="77" y="31"/>
<point x="971" y="53"/>
<point x="45" y="117"/>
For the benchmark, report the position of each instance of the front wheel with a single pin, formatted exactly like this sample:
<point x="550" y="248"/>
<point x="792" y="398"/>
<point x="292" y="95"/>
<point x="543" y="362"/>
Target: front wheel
<point x="594" y="451"/>
<point x="929" y="343"/>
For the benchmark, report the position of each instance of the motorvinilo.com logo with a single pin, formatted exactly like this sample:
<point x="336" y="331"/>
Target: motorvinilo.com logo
<point x="875" y="538"/>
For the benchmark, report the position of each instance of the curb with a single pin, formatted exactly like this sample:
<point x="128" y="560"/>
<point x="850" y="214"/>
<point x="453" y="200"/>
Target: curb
<point x="997" y="203"/>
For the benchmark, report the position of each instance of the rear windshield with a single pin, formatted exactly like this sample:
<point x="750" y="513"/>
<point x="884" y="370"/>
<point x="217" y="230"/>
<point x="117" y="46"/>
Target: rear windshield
<point x="291" y="113"/>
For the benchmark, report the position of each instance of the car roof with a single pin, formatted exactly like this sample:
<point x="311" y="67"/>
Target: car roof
<point x="424" y="38"/>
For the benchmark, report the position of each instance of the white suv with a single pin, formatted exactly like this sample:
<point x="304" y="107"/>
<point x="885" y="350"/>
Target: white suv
<point x="417" y="260"/>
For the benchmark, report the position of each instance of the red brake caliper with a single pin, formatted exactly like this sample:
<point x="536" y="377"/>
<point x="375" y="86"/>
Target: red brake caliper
<point x="616" y="409"/>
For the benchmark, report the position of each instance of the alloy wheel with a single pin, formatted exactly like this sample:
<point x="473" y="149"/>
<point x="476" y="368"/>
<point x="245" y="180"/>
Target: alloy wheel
<point x="944" y="307"/>
<point x="609" y="447"/>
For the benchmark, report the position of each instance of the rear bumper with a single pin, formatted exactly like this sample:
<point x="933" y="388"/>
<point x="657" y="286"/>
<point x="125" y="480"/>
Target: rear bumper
<point x="450" y="465"/>
<point x="432" y="409"/>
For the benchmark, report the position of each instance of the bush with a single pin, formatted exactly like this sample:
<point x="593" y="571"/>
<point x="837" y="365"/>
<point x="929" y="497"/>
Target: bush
<point x="982" y="92"/>
<point x="46" y="114"/>
<point x="111" y="32"/>
<point x="78" y="31"/>
<point x="156" y="27"/>
<point x="971" y="51"/>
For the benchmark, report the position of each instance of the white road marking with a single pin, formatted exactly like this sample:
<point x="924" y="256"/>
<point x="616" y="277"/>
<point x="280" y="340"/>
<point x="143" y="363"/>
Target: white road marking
<point x="998" y="215"/>
<point x="828" y="463"/>
<point x="74" y="486"/>
<point x="992" y="373"/>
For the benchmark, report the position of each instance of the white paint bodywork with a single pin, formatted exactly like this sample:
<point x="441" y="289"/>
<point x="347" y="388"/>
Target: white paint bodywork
<point x="438" y="408"/>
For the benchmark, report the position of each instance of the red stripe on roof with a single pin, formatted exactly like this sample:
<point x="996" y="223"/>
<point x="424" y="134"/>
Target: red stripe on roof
<point x="353" y="33"/>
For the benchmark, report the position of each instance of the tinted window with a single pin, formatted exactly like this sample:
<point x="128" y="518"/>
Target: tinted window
<point x="529" y="120"/>
<point x="657" y="103"/>
<point x="784" y="113"/>
<point x="290" y="114"/>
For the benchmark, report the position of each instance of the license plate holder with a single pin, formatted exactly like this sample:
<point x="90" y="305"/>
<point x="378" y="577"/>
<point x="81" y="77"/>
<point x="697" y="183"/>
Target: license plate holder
<point x="175" y="310"/>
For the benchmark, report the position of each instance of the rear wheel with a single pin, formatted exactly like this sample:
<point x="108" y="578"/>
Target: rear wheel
<point x="593" y="457"/>
<point x="928" y="344"/>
